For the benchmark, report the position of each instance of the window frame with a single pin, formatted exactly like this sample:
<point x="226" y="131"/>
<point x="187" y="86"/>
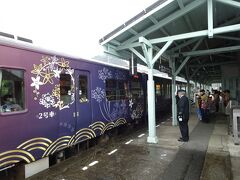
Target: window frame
<point x="25" y="91"/>
<point x="138" y="89"/>
<point x="87" y="88"/>
<point x="111" y="90"/>
<point x="117" y="94"/>
<point x="61" y="95"/>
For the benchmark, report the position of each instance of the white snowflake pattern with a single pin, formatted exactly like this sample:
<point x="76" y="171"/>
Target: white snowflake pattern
<point x="98" y="94"/>
<point x="138" y="112"/>
<point x="104" y="74"/>
<point x="134" y="115"/>
<point x="36" y="82"/>
<point x="57" y="73"/>
<point x="70" y="71"/>
<point x="47" y="100"/>
<point x="130" y="103"/>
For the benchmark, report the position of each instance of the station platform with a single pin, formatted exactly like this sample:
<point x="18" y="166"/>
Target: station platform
<point x="210" y="154"/>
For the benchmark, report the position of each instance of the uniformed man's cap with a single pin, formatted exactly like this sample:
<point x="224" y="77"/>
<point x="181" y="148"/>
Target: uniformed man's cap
<point x="181" y="90"/>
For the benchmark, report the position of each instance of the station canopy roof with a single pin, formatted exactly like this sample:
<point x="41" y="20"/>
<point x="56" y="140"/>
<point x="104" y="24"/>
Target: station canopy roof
<point x="205" y="35"/>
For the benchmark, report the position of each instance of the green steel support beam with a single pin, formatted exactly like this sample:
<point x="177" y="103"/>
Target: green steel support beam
<point x="164" y="48"/>
<point x="186" y="18"/>
<point x="110" y="49"/>
<point x="180" y="46"/>
<point x="195" y="71"/>
<point x="174" y="108"/>
<point x="209" y="51"/>
<point x="215" y="64"/>
<point x="152" y="138"/>
<point x="131" y="30"/>
<point x="139" y="55"/>
<point x="115" y="42"/>
<point x="210" y="18"/>
<point x="146" y="45"/>
<point x="182" y="64"/>
<point x="187" y="58"/>
<point x="163" y="22"/>
<point x="232" y="21"/>
<point x="227" y="37"/>
<point x="220" y="30"/>
<point x="148" y="52"/>
<point x="188" y="87"/>
<point x="145" y="41"/>
<point x="215" y="24"/>
<point x="230" y="2"/>
<point x="161" y="29"/>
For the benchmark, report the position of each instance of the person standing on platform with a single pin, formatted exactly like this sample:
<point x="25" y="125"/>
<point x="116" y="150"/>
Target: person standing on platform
<point x="183" y="115"/>
<point x="216" y="100"/>
<point x="197" y="104"/>
<point x="204" y="105"/>
<point x="226" y="97"/>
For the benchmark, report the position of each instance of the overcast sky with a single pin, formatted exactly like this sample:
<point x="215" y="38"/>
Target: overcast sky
<point x="71" y="26"/>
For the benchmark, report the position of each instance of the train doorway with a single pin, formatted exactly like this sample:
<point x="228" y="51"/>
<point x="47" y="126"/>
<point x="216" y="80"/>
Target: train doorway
<point x="82" y="101"/>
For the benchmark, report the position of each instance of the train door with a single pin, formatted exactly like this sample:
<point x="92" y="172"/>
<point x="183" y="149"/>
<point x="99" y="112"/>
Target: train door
<point x="67" y="112"/>
<point x="83" y="103"/>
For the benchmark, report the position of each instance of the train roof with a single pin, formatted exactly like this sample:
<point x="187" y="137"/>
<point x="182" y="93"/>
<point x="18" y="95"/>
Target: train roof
<point x="101" y="59"/>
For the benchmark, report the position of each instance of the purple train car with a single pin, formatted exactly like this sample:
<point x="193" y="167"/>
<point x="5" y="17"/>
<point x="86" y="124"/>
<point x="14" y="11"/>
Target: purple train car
<point x="50" y="101"/>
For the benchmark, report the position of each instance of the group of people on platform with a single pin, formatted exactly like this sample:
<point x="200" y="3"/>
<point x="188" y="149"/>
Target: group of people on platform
<point x="207" y="102"/>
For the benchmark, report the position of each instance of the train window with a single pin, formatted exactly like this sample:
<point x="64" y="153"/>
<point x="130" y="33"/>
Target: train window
<point x="65" y="88"/>
<point x="12" y="96"/>
<point x="122" y="89"/>
<point x="111" y="89"/>
<point x="136" y="89"/>
<point x="158" y="89"/>
<point x="83" y="89"/>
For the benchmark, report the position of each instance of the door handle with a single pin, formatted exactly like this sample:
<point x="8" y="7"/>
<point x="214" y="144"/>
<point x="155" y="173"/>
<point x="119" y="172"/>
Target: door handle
<point x="74" y="114"/>
<point x="77" y="114"/>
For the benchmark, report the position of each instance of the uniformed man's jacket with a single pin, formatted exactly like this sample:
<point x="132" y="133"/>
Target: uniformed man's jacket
<point x="183" y="107"/>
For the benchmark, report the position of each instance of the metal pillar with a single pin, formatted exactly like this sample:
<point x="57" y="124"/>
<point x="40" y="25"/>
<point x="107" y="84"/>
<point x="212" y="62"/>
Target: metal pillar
<point x="148" y="58"/>
<point x="174" y="74"/>
<point x="152" y="138"/>
<point x="210" y="18"/>
<point x="188" y="88"/>
<point x="174" y="106"/>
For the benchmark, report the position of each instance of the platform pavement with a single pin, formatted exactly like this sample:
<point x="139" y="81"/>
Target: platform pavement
<point x="223" y="156"/>
<point x="168" y="134"/>
<point x="222" y="160"/>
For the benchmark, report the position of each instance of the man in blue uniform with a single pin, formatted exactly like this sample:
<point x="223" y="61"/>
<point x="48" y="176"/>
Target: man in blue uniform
<point x="183" y="115"/>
